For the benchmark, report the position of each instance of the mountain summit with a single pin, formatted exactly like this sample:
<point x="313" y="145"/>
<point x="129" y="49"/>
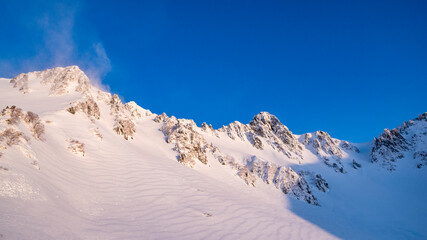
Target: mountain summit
<point x="78" y="163"/>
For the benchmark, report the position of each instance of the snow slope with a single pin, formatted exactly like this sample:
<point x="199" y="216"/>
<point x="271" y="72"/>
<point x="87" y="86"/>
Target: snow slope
<point x="77" y="163"/>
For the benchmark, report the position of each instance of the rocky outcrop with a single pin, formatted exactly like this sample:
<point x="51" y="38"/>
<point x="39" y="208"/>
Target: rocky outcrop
<point x="315" y="179"/>
<point x="134" y="111"/>
<point x="14" y="115"/>
<point x="70" y="80"/>
<point x="190" y="145"/>
<point x="10" y="137"/>
<point x="89" y="108"/>
<point x="125" y="116"/>
<point x="388" y="148"/>
<point x="209" y="129"/>
<point x="276" y="134"/>
<point x="321" y="144"/>
<point x="356" y="165"/>
<point x="76" y="147"/>
<point x="421" y="158"/>
<point x="266" y="129"/>
<point x="283" y="178"/>
<point x="237" y="130"/>
<point x="407" y="140"/>
<point x="21" y="82"/>
<point x="125" y="127"/>
<point x="15" y="124"/>
<point x="59" y="80"/>
<point x="348" y="146"/>
<point x="222" y="158"/>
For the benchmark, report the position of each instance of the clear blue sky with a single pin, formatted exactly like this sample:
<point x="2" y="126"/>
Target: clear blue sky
<point x="351" y="68"/>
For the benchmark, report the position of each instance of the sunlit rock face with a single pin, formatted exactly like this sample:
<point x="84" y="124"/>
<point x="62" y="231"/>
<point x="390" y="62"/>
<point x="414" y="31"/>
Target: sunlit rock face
<point x="59" y="80"/>
<point x="89" y="108"/>
<point x="276" y="134"/>
<point x="190" y="145"/>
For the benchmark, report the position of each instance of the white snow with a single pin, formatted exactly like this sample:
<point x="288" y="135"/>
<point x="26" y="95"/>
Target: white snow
<point x="136" y="189"/>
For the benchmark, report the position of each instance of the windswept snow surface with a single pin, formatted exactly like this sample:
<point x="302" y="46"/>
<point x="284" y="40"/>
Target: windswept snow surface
<point x="84" y="180"/>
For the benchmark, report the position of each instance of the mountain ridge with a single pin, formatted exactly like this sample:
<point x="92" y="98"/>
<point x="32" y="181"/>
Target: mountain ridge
<point x="79" y="121"/>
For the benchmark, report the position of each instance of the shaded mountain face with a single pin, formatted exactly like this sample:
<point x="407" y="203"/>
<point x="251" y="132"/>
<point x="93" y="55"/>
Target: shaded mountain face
<point x="408" y="140"/>
<point x="59" y="112"/>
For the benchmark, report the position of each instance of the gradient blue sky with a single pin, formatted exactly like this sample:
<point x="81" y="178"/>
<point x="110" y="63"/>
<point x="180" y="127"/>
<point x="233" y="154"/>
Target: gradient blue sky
<point x="351" y="68"/>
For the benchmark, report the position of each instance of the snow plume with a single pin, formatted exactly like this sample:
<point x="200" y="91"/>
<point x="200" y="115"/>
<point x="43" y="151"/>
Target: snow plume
<point x="57" y="30"/>
<point x="98" y="66"/>
<point x="62" y="44"/>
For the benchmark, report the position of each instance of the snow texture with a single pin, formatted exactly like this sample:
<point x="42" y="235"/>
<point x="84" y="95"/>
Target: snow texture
<point x="78" y="163"/>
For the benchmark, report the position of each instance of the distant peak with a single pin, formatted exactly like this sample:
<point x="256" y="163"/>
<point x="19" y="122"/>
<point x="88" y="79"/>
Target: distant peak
<point x="265" y="118"/>
<point x="264" y="114"/>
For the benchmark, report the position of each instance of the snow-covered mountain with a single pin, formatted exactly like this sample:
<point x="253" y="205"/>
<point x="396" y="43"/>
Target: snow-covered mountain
<point x="77" y="163"/>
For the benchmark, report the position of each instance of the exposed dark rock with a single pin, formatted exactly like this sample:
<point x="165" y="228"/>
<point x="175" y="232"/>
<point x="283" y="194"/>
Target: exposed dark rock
<point x="399" y="142"/>
<point x="315" y="179"/>
<point x="388" y="148"/>
<point x="421" y="158"/>
<point x="356" y="165"/>
<point x="285" y="179"/>
<point x="348" y="146"/>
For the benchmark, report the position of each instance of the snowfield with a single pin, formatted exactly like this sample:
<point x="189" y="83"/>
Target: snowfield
<point x="77" y="163"/>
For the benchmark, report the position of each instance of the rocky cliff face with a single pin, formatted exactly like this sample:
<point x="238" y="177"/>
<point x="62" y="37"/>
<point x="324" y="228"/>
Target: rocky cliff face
<point x="283" y="178"/>
<point x="266" y="129"/>
<point x="328" y="149"/>
<point x="16" y="128"/>
<point x="276" y="134"/>
<point x="190" y="145"/>
<point x="409" y="139"/>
